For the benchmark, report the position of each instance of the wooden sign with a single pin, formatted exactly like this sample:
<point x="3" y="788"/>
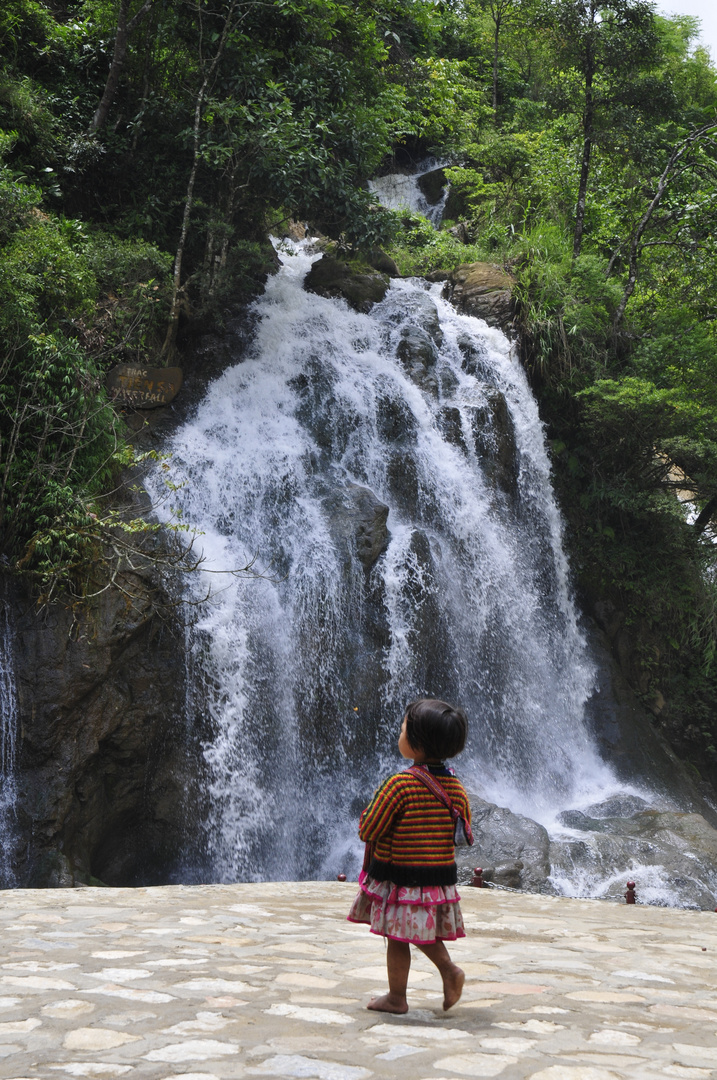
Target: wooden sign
<point x="143" y="387"/>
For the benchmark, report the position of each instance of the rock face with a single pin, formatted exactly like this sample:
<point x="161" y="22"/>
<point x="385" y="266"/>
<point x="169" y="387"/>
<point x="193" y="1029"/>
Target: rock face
<point x="108" y="769"/>
<point x="494" y="439"/>
<point x="433" y="185"/>
<point x="358" y="520"/>
<point x="484" y="291"/>
<point x="331" y="277"/>
<point x="511" y="849"/>
<point x="417" y="347"/>
<point x="627" y="737"/>
<point x="673" y="853"/>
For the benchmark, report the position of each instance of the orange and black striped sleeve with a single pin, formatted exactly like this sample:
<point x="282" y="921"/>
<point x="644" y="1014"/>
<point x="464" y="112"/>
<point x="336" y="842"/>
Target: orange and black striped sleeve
<point x="385" y="807"/>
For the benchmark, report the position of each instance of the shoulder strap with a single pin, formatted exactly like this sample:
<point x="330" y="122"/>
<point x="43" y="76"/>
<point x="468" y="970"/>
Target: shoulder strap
<point x="437" y="789"/>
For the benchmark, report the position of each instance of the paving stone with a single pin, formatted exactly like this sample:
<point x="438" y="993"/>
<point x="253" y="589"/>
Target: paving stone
<point x="227" y="982"/>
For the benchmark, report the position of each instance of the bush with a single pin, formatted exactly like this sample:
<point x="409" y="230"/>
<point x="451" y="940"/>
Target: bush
<point x="43" y="279"/>
<point x="60" y="435"/>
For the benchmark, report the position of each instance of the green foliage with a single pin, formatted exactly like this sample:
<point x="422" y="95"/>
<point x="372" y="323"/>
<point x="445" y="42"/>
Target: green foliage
<point x="59" y="436"/>
<point x="43" y="278"/>
<point x="306" y="101"/>
<point x="632" y="411"/>
<point x="419" y="249"/>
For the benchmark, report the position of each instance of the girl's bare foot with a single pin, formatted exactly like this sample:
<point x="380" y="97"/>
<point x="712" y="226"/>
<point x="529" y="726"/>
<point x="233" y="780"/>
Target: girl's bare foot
<point x="391" y="1003"/>
<point x="452" y="986"/>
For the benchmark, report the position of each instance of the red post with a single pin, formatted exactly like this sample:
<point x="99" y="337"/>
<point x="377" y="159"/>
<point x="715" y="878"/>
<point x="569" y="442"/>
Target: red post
<point x="630" y="894"/>
<point x="341" y="877"/>
<point x="477" y="880"/>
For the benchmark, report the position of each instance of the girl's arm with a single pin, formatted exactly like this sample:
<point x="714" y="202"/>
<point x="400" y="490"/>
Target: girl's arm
<point x="464" y="805"/>
<point x="380" y="814"/>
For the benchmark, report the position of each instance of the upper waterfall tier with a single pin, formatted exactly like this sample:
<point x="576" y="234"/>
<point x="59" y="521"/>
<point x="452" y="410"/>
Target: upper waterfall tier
<point x="409" y="191"/>
<point x="388" y="473"/>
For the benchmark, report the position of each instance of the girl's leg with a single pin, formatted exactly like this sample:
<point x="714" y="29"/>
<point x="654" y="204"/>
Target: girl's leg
<point x="398" y="962"/>
<point x="453" y="977"/>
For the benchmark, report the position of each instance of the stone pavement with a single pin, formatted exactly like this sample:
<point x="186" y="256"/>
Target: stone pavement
<point x="214" y="982"/>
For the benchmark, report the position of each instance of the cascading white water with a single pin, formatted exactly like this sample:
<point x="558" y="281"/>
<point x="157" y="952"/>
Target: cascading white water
<point x="307" y="670"/>
<point x="8" y="749"/>
<point x="402" y="191"/>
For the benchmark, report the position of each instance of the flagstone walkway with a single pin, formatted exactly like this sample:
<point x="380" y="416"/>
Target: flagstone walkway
<point x="215" y="982"/>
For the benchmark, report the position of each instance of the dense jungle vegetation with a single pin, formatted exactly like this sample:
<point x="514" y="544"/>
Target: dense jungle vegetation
<point x="148" y="147"/>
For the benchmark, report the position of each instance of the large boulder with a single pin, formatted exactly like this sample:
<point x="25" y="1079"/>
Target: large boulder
<point x="331" y="277"/>
<point x="511" y="849"/>
<point x="484" y="291"/>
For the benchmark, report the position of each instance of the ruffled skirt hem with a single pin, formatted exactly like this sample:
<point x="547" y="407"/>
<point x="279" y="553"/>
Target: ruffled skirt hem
<point x="420" y="914"/>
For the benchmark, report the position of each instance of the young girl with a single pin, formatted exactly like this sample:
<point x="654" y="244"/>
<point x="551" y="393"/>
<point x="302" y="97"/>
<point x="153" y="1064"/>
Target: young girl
<point x="407" y="888"/>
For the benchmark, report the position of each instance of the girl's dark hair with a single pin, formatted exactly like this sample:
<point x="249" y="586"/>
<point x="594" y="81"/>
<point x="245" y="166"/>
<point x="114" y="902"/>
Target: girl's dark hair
<point x="436" y="728"/>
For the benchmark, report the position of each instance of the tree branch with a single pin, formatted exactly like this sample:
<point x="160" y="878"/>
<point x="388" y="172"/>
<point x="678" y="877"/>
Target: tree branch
<point x="667" y="175"/>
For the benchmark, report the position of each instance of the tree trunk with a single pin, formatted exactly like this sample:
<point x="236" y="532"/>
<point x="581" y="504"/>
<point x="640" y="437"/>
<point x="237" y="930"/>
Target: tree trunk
<point x="706" y="514"/>
<point x="169" y="346"/>
<point x="496" y="40"/>
<point x="124" y="29"/>
<point x="118" y="59"/>
<point x="588" y="119"/>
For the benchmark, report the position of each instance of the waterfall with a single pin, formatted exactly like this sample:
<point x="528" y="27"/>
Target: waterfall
<point x="290" y="463"/>
<point x="8" y="749"/>
<point x="402" y="191"/>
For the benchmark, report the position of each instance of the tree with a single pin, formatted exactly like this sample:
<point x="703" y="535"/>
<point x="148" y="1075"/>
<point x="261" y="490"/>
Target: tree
<point x="119" y="55"/>
<point x="207" y="69"/>
<point x="501" y="12"/>
<point x="682" y="160"/>
<point x="602" y="49"/>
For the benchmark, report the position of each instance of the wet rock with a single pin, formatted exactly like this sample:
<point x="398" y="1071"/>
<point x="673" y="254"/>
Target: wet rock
<point x="109" y="763"/>
<point x="671" y="855"/>
<point x="618" y="806"/>
<point x="402" y="476"/>
<point x="331" y="277"/>
<point x="448" y="381"/>
<point x="395" y="421"/>
<point x="382" y="262"/>
<point x="626" y="735"/>
<point x="52" y="870"/>
<point x="295" y="230"/>
<point x="508" y="874"/>
<point x="432" y="186"/>
<point x="417" y="353"/>
<point x="358" y="520"/>
<point x="420" y="337"/>
<point x="427" y="639"/>
<point x="494" y="441"/>
<point x="513" y="846"/>
<point x="576" y="819"/>
<point x="474" y="357"/>
<point x="484" y="291"/>
<point x="460" y="232"/>
<point x="608" y="617"/>
<point x="449" y="421"/>
<point x="425" y="314"/>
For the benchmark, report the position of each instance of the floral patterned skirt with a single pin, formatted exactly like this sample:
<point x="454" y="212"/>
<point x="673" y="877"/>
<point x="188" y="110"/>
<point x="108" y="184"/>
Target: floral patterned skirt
<point x="419" y="914"/>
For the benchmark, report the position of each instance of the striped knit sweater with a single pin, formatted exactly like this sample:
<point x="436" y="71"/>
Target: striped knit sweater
<point x="409" y="832"/>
